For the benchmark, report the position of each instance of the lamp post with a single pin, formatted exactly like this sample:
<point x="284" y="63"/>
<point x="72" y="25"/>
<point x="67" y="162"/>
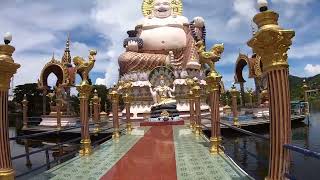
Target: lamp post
<point x="250" y="92"/>
<point x="305" y="87"/>
<point x="127" y="98"/>
<point x="196" y="89"/>
<point x="234" y="94"/>
<point x="96" y="112"/>
<point x="271" y="43"/>
<point x="190" y="83"/>
<point x="115" y="110"/>
<point x="25" y="111"/>
<point x="7" y="69"/>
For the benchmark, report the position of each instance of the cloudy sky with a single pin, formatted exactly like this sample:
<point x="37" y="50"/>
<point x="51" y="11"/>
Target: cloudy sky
<point x="40" y="28"/>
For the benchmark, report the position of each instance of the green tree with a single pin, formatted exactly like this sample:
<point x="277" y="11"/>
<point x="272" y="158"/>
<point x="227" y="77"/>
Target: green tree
<point x="34" y="96"/>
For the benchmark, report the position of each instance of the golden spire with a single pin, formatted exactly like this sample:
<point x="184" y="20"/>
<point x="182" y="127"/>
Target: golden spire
<point x="66" y="59"/>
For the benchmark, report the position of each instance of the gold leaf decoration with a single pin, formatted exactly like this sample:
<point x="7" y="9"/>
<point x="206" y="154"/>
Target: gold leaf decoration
<point x="147" y="7"/>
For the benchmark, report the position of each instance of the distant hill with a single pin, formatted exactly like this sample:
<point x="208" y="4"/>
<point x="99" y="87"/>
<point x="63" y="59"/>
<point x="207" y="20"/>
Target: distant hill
<point x="297" y="82"/>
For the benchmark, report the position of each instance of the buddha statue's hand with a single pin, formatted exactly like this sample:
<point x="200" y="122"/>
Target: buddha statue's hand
<point x="132" y="46"/>
<point x="198" y="22"/>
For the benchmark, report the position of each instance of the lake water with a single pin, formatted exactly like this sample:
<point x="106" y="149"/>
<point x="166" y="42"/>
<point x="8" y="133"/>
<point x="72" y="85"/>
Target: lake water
<point x="252" y="153"/>
<point x="245" y="150"/>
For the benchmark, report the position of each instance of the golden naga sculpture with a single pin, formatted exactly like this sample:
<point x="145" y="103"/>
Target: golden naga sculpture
<point x="83" y="67"/>
<point x="209" y="57"/>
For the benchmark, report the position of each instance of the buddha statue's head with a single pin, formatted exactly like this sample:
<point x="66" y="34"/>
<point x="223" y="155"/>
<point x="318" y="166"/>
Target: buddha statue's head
<point x="162" y="8"/>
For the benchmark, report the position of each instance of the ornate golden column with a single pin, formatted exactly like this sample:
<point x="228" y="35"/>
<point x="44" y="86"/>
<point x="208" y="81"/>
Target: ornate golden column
<point x="25" y="111"/>
<point x="127" y="101"/>
<point x="197" y="102"/>
<point x="190" y="83"/>
<point x="234" y="94"/>
<point x="271" y="43"/>
<point x="96" y="112"/>
<point x="213" y="80"/>
<point x="84" y="90"/>
<point x="7" y="69"/>
<point x="115" y="110"/>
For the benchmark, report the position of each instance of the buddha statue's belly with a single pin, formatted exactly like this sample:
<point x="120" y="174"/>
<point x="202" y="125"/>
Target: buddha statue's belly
<point x="163" y="38"/>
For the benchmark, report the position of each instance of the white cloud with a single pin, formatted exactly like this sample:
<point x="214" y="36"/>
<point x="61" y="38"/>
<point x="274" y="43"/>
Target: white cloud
<point x="310" y="49"/>
<point x="312" y="70"/>
<point x="44" y="27"/>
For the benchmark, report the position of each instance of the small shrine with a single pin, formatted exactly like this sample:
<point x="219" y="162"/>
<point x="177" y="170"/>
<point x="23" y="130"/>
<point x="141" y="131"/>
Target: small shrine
<point x="66" y="73"/>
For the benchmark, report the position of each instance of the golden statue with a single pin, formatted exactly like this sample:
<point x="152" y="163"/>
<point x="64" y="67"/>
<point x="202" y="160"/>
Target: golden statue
<point x="209" y="57"/>
<point x="162" y="94"/>
<point x="83" y="67"/>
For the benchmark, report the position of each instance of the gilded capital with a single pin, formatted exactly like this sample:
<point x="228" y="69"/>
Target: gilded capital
<point x="95" y="98"/>
<point x="7" y="66"/>
<point x="213" y="80"/>
<point x="84" y="90"/>
<point x="271" y="42"/>
<point x="114" y="95"/>
<point x="234" y="92"/>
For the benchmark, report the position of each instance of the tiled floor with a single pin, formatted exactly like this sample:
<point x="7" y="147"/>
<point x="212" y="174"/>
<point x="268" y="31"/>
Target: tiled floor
<point x="94" y="166"/>
<point x="163" y="153"/>
<point x="194" y="161"/>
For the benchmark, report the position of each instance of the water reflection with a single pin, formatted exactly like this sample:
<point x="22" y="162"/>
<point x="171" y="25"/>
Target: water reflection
<point x="252" y="154"/>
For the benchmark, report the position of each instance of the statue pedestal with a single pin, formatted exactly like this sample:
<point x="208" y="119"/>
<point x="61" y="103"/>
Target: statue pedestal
<point x="51" y="121"/>
<point x="164" y="113"/>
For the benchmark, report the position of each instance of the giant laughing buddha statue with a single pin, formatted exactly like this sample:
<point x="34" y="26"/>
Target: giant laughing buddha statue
<point x="163" y="37"/>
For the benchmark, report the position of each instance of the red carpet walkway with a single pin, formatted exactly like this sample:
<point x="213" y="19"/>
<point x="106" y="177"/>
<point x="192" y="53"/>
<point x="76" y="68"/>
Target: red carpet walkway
<point x="152" y="158"/>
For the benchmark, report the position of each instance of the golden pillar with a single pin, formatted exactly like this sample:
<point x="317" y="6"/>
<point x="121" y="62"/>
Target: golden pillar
<point x="96" y="113"/>
<point x="90" y="109"/>
<point x="213" y="80"/>
<point x="25" y="111"/>
<point x="190" y="83"/>
<point x="234" y="94"/>
<point x="127" y="87"/>
<point x="59" y="106"/>
<point x="197" y="102"/>
<point x="7" y="69"/>
<point x="84" y="90"/>
<point x="271" y="43"/>
<point x="44" y="101"/>
<point x="305" y="87"/>
<point x="115" y="111"/>
<point x="250" y="93"/>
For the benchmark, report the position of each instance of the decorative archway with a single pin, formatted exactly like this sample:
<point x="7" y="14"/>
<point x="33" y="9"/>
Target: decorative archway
<point x="255" y="72"/>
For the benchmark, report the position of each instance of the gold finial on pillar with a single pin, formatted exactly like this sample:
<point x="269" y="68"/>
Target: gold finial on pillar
<point x="96" y="112"/>
<point x="114" y="95"/>
<point x="234" y="94"/>
<point x="271" y="43"/>
<point x="25" y="111"/>
<point x="7" y="69"/>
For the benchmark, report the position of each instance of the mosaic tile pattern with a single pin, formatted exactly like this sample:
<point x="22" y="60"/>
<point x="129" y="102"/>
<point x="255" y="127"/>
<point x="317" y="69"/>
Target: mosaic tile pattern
<point x="94" y="166"/>
<point x="194" y="161"/>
